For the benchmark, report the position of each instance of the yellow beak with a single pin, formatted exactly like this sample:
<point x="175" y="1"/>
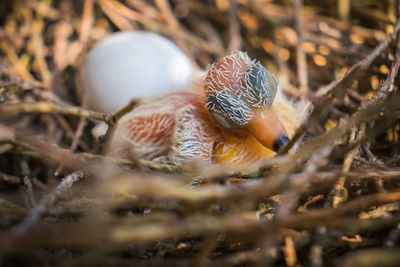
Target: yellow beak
<point x="268" y="130"/>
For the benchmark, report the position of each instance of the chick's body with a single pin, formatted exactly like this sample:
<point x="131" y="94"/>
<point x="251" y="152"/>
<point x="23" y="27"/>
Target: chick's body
<point x="211" y="124"/>
<point x="176" y="129"/>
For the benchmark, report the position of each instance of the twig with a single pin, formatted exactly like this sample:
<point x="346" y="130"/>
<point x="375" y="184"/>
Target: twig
<point x="16" y="63"/>
<point x="388" y="86"/>
<point x="302" y="71"/>
<point x="145" y="163"/>
<point x="110" y="9"/>
<point x="9" y="178"/>
<point x="14" y="207"/>
<point x="36" y="213"/>
<point x="8" y="83"/>
<point x="116" y="117"/>
<point x="48" y="153"/>
<point x="371" y="258"/>
<point x="339" y="192"/>
<point x="172" y="22"/>
<point x="45" y="107"/>
<point x="82" y="120"/>
<point x="54" y="154"/>
<point x="25" y="171"/>
<point x="167" y="13"/>
<point x="180" y="35"/>
<point x="209" y="246"/>
<point x="5" y="148"/>
<point x="68" y="131"/>
<point x="235" y="39"/>
<point x="83" y="37"/>
<point x="39" y="49"/>
<point x="344" y="11"/>
<point x="290" y="252"/>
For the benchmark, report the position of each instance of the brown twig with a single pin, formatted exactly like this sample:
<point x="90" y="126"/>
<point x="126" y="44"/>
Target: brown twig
<point x="9" y="178"/>
<point x="45" y="107"/>
<point x="301" y="55"/>
<point x="39" y="49"/>
<point x="36" y="213"/>
<point x="115" y="118"/>
<point x="84" y="37"/>
<point x="145" y="163"/>
<point x="25" y="171"/>
<point x="339" y="192"/>
<point x="235" y="39"/>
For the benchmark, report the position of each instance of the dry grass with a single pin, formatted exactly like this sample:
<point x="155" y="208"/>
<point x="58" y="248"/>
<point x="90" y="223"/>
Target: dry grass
<point x="336" y="202"/>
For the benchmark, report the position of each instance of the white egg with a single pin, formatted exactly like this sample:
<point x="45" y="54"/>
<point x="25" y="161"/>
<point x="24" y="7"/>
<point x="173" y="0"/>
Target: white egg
<point x="134" y="64"/>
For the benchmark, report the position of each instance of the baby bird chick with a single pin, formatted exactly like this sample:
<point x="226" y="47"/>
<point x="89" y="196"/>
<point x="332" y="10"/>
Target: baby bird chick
<point x="238" y="117"/>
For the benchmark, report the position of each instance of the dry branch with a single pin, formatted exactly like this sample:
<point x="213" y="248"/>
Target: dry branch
<point x="45" y="107"/>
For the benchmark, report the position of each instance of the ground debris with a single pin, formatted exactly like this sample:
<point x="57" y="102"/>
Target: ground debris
<point x="335" y="202"/>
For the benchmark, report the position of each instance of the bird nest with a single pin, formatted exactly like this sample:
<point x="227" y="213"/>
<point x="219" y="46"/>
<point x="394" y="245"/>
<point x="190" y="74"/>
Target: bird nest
<point x="335" y="202"/>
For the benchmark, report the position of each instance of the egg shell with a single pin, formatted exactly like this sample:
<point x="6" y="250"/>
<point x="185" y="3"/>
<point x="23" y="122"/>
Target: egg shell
<point x="133" y="64"/>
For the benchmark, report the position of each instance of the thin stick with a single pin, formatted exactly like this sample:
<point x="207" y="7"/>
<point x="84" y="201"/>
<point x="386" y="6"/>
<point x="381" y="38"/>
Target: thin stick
<point x="26" y="173"/>
<point x="145" y="163"/>
<point x="37" y="212"/>
<point x="9" y="178"/>
<point x="235" y="40"/>
<point x="83" y="38"/>
<point x="39" y="47"/>
<point x="339" y="192"/>
<point x="394" y="69"/>
<point x="16" y="208"/>
<point x="45" y="107"/>
<point x="115" y="118"/>
<point x="302" y="71"/>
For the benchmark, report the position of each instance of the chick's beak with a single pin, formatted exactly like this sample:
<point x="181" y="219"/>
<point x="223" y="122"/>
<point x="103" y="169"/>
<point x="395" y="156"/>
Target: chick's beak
<point x="268" y="130"/>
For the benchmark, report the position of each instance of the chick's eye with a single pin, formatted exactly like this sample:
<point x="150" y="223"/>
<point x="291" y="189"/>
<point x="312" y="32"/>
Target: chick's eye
<point x="261" y="85"/>
<point x="228" y="111"/>
<point x="224" y="122"/>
